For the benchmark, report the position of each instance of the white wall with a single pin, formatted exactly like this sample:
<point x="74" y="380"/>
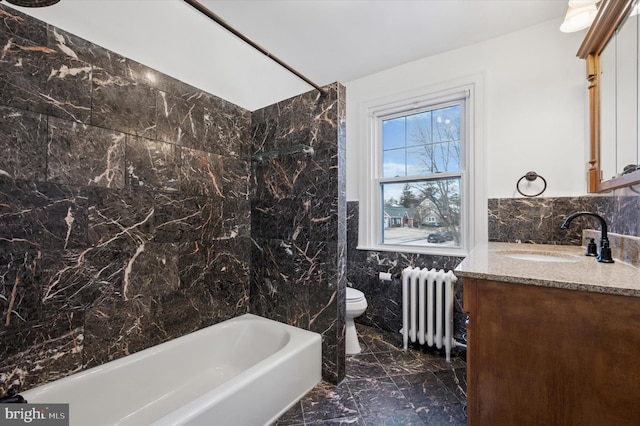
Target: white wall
<point x="535" y="110"/>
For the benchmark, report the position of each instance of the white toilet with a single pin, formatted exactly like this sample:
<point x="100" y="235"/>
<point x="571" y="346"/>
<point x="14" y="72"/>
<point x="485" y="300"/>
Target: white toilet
<point x="356" y="305"/>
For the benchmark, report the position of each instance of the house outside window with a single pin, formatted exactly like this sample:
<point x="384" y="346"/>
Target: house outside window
<point x="419" y="186"/>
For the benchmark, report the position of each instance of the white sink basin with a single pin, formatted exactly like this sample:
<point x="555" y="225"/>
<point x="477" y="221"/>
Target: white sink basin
<point x="539" y="256"/>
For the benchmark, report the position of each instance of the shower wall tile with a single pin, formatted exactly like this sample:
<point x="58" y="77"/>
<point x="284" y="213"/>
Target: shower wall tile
<point x="179" y="121"/>
<point x="50" y="358"/>
<point x="86" y="51"/>
<point x="120" y="218"/>
<point x="79" y="154"/>
<point x="42" y="214"/>
<point x="36" y="78"/>
<point x="186" y="218"/>
<point x="19" y="288"/>
<point x="15" y="23"/>
<point x="152" y="165"/>
<point x="23" y="142"/>
<point x="201" y="173"/>
<point x="226" y="129"/>
<point x="74" y="280"/>
<point x="296" y="211"/>
<point x="284" y="219"/>
<point x="123" y="104"/>
<point x="110" y="242"/>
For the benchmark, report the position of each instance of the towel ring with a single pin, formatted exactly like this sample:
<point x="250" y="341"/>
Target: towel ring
<point x="530" y="177"/>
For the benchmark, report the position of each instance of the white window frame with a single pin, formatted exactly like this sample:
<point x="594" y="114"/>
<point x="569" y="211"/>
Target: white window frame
<point x="473" y="218"/>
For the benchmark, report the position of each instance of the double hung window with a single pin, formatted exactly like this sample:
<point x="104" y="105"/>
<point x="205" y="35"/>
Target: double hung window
<point x="419" y="177"/>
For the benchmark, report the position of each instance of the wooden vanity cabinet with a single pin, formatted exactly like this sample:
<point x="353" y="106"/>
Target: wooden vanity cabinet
<point x="551" y="356"/>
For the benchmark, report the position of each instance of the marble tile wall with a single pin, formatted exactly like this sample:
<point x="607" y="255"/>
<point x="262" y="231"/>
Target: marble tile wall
<point x="527" y="220"/>
<point x="298" y="218"/>
<point x="384" y="298"/>
<point x="538" y="220"/>
<point x="124" y="205"/>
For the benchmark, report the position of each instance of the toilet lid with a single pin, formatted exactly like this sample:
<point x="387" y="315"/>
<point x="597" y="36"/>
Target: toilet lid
<point x="354" y="295"/>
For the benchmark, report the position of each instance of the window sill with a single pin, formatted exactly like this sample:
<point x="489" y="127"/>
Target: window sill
<point x="427" y="250"/>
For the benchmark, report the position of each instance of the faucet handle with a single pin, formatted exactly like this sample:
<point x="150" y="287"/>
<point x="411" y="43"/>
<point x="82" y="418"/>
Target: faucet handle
<point x="592" y="248"/>
<point x="605" y="252"/>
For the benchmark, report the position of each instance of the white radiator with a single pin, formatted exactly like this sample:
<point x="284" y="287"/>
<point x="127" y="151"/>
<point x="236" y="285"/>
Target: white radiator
<point x="427" y="307"/>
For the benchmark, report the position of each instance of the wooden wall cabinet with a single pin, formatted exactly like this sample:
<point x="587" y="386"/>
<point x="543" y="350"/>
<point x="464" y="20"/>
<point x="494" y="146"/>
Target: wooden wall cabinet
<point x="551" y="356"/>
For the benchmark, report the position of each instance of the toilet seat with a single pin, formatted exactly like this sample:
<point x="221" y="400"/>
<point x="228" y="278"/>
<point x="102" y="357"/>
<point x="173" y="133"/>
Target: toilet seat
<point x="354" y="295"/>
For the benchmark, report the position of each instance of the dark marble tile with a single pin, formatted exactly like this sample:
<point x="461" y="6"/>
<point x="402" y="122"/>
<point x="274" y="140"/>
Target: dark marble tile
<point x="379" y="395"/>
<point x="215" y="278"/>
<point x="328" y="402"/>
<point x="626" y="218"/>
<point x="284" y="219"/>
<point x="123" y="104"/>
<point x="152" y="270"/>
<point x="435" y="360"/>
<point x="293" y="417"/>
<point x="201" y="173"/>
<point x="39" y="79"/>
<point x="20" y="288"/>
<point x="23" y="141"/>
<point x="24" y="26"/>
<point x="324" y="219"/>
<point x="289" y="172"/>
<point x="74" y="280"/>
<point x="237" y="217"/>
<point x="363" y="366"/>
<point x="179" y="121"/>
<point x="120" y="217"/>
<point x="86" y="51"/>
<point x="450" y="414"/>
<point x="236" y="178"/>
<point x="324" y="308"/>
<point x="524" y="220"/>
<point x="42" y="214"/>
<point x="377" y="340"/>
<point x="493" y="213"/>
<point x="400" y="362"/>
<point x="48" y="355"/>
<point x="425" y="391"/>
<point x="455" y="379"/>
<point x="226" y="129"/>
<point x="84" y="155"/>
<point x="355" y="421"/>
<point x="280" y="280"/>
<point x="115" y="328"/>
<point x="406" y="417"/>
<point x="184" y="218"/>
<point x="152" y="165"/>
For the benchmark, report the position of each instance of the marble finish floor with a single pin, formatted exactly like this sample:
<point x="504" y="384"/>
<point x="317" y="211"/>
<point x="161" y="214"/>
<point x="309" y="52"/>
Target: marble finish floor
<point x="386" y="386"/>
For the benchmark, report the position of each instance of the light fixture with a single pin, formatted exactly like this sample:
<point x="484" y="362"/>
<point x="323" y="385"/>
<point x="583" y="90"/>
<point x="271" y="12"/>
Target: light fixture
<point x="33" y="3"/>
<point x="580" y="15"/>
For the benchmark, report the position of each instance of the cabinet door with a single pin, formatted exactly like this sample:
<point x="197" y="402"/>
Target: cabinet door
<point x="551" y="356"/>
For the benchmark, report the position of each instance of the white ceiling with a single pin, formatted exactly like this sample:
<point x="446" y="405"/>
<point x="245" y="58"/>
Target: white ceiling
<point x="326" y="40"/>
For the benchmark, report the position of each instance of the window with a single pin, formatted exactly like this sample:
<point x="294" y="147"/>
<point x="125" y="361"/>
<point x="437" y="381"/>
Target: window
<point x="419" y="196"/>
<point x="422" y="175"/>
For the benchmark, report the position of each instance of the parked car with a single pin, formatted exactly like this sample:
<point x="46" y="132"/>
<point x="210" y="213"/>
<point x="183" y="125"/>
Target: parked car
<point x="435" y="238"/>
<point x="434" y="224"/>
<point x="447" y="235"/>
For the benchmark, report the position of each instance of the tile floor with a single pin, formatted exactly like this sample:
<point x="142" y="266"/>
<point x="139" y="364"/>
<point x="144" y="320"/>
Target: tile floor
<point x="386" y="386"/>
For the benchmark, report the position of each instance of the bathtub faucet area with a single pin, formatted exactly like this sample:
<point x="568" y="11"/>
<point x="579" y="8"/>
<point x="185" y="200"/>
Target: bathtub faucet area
<point x="12" y="397"/>
<point x="604" y="255"/>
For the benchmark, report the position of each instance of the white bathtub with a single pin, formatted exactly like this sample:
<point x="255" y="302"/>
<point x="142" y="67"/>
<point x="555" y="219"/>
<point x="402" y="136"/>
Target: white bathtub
<point x="244" y="371"/>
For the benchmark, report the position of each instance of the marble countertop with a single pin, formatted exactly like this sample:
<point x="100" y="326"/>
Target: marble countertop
<point x="558" y="266"/>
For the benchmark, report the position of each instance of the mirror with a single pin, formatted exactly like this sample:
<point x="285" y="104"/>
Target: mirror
<point x="613" y="63"/>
